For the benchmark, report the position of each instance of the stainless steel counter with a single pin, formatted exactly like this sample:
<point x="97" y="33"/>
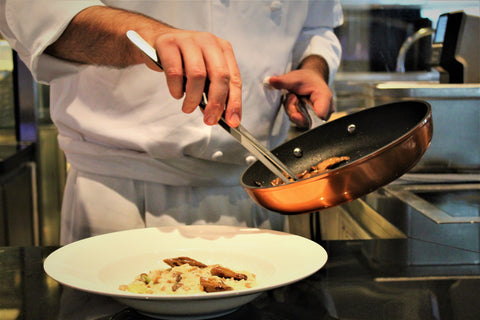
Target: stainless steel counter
<point x="455" y="143"/>
<point x="444" y="218"/>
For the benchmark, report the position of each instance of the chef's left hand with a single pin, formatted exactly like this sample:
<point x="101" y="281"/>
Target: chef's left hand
<point x="309" y="81"/>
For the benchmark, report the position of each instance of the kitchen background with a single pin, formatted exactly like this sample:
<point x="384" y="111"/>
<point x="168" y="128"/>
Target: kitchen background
<point x="374" y="70"/>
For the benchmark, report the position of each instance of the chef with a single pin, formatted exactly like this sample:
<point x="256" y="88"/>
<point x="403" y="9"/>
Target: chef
<point x="136" y="160"/>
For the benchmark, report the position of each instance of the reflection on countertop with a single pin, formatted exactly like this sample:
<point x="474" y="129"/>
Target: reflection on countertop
<point x="350" y="286"/>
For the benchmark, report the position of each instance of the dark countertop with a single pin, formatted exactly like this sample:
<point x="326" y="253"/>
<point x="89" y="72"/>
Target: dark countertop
<point x="350" y="286"/>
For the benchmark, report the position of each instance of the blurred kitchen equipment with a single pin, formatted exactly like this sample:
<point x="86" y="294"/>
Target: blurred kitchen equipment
<point x="455" y="144"/>
<point x="454" y="102"/>
<point x="371" y="37"/>
<point x="452" y="58"/>
<point x="455" y="48"/>
<point x="441" y="222"/>
<point x="382" y="142"/>
<point x="436" y="204"/>
<point x="423" y="32"/>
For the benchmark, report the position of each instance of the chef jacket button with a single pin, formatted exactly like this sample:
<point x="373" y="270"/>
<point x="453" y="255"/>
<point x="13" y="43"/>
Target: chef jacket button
<point x="250" y="159"/>
<point x="217" y="155"/>
<point x="275" y="6"/>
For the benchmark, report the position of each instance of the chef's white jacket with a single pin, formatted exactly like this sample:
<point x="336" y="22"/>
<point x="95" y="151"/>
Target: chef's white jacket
<point x="122" y="123"/>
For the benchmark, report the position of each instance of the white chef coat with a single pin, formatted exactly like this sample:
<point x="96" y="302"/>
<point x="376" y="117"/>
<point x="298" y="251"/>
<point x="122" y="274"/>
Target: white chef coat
<point x="123" y="124"/>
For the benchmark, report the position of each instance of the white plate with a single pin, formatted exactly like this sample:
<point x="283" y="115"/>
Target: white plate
<point x="100" y="264"/>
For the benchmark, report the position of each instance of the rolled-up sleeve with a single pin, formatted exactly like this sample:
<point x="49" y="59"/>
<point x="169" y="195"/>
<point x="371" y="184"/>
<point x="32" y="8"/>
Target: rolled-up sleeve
<point x="30" y="26"/>
<point x="318" y="37"/>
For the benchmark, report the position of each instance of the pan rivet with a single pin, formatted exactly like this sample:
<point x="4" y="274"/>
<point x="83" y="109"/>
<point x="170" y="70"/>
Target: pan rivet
<point x="351" y="128"/>
<point x="297" y="152"/>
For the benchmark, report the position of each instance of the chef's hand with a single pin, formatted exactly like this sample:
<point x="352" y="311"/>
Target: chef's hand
<point x="96" y="36"/>
<point x="198" y="56"/>
<point x="310" y="81"/>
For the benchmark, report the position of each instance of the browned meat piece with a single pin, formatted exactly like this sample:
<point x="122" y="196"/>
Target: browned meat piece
<point x="177" y="284"/>
<point x="278" y="181"/>
<point x="305" y="174"/>
<point x="174" y="262"/>
<point x="214" y="285"/>
<point x="223" y="272"/>
<point x="328" y="163"/>
<point x="178" y="277"/>
<point x="321" y="167"/>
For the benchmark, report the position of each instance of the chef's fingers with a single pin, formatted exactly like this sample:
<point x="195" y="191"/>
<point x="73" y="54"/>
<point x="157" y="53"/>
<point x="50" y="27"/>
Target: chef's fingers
<point x="289" y="100"/>
<point x="309" y="84"/>
<point x="195" y="74"/>
<point x="289" y="81"/>
<point x="171" y="59"/>
<point x="198" y="56"/>
<point x="294" y="112"/>
<point x="233" y="111"/>
<point x="218" y="75"/>
<point x="322" y="103"/>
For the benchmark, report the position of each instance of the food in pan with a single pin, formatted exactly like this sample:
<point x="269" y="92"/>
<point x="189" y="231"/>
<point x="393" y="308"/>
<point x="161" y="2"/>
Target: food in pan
<point x="321" y="167"/>
<point x="189" y="276"/>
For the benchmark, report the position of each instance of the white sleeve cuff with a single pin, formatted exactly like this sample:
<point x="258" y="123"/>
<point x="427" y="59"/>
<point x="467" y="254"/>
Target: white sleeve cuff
<point x="30" y="26"/>
<point x="318" y="36"/>
<point x="321" y="42"/>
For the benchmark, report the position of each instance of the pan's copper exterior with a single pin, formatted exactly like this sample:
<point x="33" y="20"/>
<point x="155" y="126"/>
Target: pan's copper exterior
<point x="350" y="181"/>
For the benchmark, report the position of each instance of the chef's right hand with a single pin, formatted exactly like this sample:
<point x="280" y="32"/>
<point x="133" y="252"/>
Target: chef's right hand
<point x="200" y="56"/>
<point x="197" y="55"/>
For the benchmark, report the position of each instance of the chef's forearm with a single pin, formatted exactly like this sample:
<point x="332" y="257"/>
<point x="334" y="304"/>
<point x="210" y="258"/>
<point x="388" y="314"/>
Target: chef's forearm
<point x="316" y="63"/>
<point x="96" y="36"/>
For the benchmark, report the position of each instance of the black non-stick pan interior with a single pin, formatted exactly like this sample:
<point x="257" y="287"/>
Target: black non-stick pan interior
<point x="356" y="135"/>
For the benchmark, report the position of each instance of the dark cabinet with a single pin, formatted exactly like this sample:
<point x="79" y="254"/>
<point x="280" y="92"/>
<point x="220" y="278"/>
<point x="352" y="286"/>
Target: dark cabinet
<point x="18" y="223"/>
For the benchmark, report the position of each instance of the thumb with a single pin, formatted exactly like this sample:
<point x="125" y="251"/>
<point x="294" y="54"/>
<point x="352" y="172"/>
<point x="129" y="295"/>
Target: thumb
<point x="275" y="82"/>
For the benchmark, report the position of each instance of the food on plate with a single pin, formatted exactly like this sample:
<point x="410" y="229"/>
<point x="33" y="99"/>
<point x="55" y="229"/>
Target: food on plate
<point x="189" y="276"/>
<point x="321" y="167"/>
<point x="175" y="262"/>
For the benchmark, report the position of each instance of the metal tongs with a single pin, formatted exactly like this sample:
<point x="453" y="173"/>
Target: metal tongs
<point x="239" y="133"/>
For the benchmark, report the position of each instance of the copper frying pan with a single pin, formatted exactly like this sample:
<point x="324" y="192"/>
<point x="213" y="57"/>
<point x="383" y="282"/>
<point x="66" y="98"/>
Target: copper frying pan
<point x="383" y="143"/>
